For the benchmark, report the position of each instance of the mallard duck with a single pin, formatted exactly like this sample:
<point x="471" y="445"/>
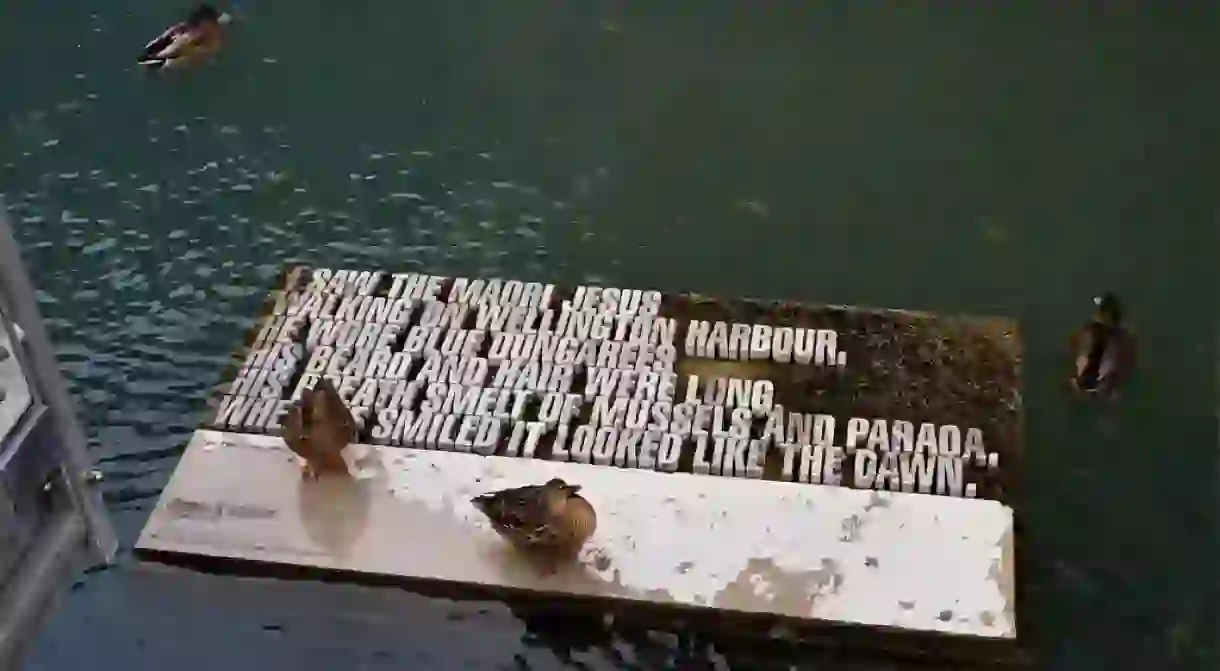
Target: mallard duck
<point x="199" y="36"/>
<point x="319" y="428"/>
<point x="552" y="519"/>
<point x="1105" y="349"/>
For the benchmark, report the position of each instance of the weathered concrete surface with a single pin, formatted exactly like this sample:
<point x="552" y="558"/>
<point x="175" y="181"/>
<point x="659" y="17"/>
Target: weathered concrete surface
<point x="915" y="562"/>
<point x="901" y="365"/>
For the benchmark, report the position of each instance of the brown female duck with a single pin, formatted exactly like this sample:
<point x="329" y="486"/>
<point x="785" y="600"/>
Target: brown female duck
<point x="552" y="519"/>
<point x="319" y="428"/>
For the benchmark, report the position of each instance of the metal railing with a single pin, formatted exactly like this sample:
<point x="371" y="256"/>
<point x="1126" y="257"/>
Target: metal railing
<point x="52" y="521"/>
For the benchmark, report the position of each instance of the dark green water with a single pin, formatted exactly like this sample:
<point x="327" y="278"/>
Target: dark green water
<point x="1014" y="161"/>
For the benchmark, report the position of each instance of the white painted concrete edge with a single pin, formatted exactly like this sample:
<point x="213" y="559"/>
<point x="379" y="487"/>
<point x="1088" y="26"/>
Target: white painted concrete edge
<point x="910" y="561"/>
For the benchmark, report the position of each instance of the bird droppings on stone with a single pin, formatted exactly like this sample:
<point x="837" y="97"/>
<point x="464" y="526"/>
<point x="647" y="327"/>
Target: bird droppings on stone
<point x="601" y="560"/>
<point x="851" y="529"/>
<point x="877" y="501"/>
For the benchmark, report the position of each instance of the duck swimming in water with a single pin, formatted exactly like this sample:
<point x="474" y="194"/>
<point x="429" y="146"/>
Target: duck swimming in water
<point x="1104" y="348"/>
<point x="189" y="42"/>
<point x="551" y="520"/>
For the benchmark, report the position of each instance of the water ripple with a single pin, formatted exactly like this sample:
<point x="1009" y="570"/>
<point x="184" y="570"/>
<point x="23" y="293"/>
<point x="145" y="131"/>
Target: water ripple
<point x="766" y="159"/>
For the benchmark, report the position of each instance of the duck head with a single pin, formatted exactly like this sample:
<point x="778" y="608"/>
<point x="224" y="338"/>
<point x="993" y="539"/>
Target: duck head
<point x="558" y="494"/>
<point x="206" y="16"/>
<point x="563" y="488"/>
<point x="1109" y="310"/>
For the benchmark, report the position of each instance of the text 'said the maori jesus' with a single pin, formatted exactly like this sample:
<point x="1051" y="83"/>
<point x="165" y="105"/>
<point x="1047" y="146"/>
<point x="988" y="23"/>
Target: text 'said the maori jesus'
<point x="627" y="378"/>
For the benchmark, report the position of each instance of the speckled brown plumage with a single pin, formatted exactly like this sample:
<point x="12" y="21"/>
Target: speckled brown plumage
<point x="319" y="428"/>
<point x="551" y="518"/>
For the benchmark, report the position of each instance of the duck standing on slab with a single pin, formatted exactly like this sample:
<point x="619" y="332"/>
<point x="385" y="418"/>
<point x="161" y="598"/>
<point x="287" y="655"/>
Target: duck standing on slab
<point x="551" y="519"/>
<point x="1104" y="348"/>
<point x="189" y="42"/>
<point x="319" y="428"/>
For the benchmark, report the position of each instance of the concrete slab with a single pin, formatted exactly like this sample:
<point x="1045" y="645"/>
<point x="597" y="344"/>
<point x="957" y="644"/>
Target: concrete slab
<point x="873" y="484"/>
<point x="912" y="562"/>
